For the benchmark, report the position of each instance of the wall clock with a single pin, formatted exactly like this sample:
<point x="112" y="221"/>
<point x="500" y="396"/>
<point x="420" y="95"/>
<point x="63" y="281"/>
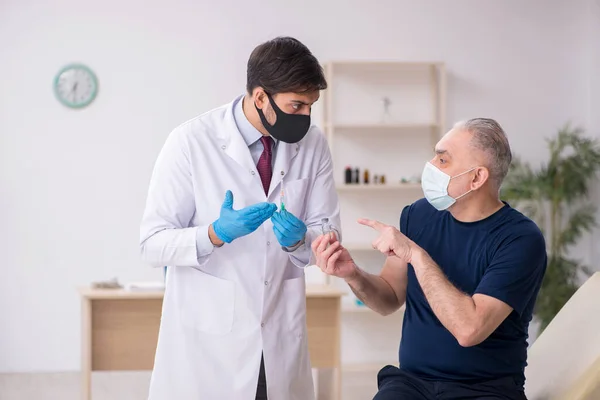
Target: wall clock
<point x="75" y="86"/>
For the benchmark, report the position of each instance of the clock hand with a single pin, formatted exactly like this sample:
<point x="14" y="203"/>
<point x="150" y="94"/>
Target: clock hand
<point x="74" y="90"/>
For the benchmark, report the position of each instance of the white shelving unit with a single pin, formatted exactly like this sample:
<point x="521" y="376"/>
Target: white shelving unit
<point x="411" y="75"/>
<point x="395" y="143"/>
<point x="362" y="135"/>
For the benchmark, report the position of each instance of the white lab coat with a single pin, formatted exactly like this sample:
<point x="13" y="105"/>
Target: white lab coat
<point x="221" y="311"/>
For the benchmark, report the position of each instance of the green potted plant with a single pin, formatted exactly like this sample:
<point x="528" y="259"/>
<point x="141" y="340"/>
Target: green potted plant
<point x="556" y="197"/>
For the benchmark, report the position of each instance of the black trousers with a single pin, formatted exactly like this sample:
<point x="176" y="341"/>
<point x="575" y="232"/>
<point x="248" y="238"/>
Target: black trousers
<point x="395" y="384"/>
<point x="261" y="389"/>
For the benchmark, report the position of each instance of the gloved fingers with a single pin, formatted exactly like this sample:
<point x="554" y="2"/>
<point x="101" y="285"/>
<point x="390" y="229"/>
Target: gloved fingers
<point x="292" y="219"/>
<point x="278" y="221"/>
<point x="266" y="214"/>
<point x="281" y="225"/>
<point x="254" y="208"/>
<point x="294" y="224"/>
<point x="257" y="218"/>
<point x="278" y="233"/>
<point x="259" y="208"/>
<point x="228" y="202"/>
<point x="247" y="226"/>
<point x="258" y="212"/>
<point x="282" y="238"/>
<point x="254" y="223"/>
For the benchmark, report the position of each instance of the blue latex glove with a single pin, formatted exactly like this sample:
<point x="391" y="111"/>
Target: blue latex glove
<point x="288" y="229"/>
<point x="233" y="224"/>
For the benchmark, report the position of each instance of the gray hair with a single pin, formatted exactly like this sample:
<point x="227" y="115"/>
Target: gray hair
<point x="489" y="137"/>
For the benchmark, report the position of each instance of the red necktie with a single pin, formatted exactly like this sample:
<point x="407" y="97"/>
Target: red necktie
<point x="264" y="166"/>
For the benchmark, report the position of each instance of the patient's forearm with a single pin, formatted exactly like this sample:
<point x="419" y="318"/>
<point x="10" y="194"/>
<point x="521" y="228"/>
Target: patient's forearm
<point x="374" y="291"/>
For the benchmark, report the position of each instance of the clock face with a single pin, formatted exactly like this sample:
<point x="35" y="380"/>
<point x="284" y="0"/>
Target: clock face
<point x="75" y="86"/>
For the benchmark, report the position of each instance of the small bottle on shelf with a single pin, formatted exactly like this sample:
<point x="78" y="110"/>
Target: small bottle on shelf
<point x="375" y="179"/>
<point x="366" y="177"/>
<point x="348" y="175"/>
<point x="356" y="176"/>
<point x="382" y="179"/>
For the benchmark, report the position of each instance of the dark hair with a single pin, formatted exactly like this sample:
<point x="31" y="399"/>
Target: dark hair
<point x="284" y="65"/>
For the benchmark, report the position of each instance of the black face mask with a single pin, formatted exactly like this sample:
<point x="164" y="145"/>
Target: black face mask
<point x="289" y="128"/>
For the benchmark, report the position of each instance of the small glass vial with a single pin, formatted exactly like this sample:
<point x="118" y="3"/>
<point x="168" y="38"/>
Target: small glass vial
<point x="325" y="226"/>
<point x="326" y="229"/>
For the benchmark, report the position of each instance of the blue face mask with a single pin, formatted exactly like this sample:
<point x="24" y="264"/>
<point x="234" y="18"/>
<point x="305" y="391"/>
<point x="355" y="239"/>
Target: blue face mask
<point x="435" y="187"/>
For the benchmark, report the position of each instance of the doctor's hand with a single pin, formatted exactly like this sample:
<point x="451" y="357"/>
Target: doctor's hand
<point x="288" y="229"/>
<point x="233" y="224"/>
<point x="390" y="241"/>
<point x="332" y="258"/>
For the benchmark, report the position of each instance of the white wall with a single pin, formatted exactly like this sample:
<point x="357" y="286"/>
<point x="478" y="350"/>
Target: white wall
<point x="73" y="183"/>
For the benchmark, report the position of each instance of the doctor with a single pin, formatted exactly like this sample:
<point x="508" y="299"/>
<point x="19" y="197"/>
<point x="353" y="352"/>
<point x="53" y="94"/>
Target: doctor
<point x="233" y="321"/>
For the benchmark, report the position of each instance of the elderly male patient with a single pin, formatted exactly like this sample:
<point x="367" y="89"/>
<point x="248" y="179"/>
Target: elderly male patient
<point x="468" y="267"/>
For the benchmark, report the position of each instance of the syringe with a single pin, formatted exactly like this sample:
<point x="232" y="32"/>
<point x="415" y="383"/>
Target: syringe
<point x="282" y="203"/>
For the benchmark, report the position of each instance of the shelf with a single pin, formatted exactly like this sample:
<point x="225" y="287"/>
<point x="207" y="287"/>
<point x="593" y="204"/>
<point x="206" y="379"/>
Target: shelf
<point x="377" y="186"/>
<point x="381" y="127"/>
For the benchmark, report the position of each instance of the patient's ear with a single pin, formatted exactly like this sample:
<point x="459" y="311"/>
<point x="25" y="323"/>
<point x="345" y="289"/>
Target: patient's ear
<point x="480" y="177"/>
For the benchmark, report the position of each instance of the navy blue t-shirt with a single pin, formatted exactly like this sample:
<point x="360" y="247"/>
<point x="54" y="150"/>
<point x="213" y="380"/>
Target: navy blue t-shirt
<point x="503" y="256"/>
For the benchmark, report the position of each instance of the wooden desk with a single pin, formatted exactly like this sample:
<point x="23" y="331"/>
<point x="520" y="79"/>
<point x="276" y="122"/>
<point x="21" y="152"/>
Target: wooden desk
<point x="120" y="331"/>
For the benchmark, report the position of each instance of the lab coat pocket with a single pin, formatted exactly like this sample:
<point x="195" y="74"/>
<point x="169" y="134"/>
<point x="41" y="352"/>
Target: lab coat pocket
<point x="295" y="193"/>
<point x="208" y="303"/>
<point x="294" y="296"/>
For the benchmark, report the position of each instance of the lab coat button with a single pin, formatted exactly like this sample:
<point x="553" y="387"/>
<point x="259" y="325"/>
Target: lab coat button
<point x="262" y="325"/>
<point x="266" y="283"/>
<point x="252" y="172"/>
<point x="223" y="147"/>
<point x="268" y="243"/>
